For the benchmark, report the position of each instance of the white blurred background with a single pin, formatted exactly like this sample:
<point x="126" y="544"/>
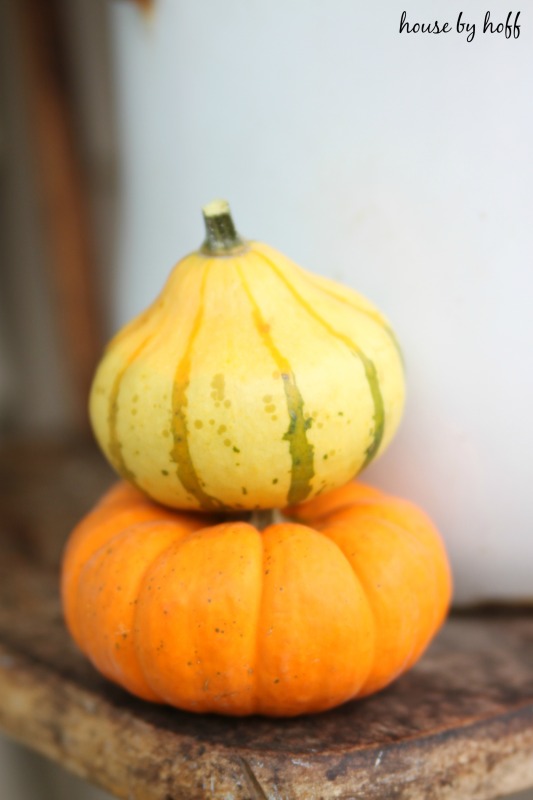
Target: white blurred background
<point x="400" y="164"/>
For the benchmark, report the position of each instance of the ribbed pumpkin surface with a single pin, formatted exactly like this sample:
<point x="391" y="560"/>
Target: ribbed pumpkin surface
<point x="222" y="618"/>
<point x="249" y="383"/>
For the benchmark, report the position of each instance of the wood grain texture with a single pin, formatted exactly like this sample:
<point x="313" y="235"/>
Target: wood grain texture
<point x="459" y="725"/>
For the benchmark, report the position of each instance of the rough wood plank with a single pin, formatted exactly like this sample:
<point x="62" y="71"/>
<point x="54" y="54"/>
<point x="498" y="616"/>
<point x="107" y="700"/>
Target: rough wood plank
<point x="459" y="725"/>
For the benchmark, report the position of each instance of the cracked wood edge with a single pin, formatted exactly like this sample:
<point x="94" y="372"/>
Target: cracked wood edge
<point x="254" y="786"/>
<point x="132" y="759"/>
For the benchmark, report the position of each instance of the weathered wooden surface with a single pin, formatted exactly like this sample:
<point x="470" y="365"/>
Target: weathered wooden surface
<point x="459" y="725"/>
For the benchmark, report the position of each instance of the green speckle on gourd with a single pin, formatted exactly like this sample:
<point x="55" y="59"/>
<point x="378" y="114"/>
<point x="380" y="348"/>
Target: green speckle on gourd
<point x="219" y="388"/>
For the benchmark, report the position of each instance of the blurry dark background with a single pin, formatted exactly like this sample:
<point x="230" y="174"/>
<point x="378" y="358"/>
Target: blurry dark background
<point x="58" y="201"/>
<point x="58" y="175"/>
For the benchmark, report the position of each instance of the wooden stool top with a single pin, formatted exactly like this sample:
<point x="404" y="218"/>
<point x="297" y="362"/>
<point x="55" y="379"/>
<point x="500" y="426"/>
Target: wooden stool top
<point x="459" y="725"/>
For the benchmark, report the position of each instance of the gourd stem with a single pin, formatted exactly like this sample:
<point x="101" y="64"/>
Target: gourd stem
<point x="261" y="518"/>
<point x="221" y="237"/>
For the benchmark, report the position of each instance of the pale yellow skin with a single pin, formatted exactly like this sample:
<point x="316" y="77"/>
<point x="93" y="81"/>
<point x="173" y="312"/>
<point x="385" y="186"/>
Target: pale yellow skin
<point x="248" y="383"/>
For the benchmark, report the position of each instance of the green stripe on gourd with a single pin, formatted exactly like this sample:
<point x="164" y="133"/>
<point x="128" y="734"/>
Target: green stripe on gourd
<point x="180" y="452"/>
<point x="368" y="365"/>
<point x="115" y="448"/>
<point x="301" y="451"/>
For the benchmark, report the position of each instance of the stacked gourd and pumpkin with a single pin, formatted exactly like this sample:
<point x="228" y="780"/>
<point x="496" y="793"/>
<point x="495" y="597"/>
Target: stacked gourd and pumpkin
<point x="247" y="387"/>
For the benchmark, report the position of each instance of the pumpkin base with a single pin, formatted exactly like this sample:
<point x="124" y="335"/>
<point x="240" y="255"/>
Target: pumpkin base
<point x="280" y="618"/>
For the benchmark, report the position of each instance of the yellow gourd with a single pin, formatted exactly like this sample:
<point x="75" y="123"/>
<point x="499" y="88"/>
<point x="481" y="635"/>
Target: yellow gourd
<point x="249" y="383"/>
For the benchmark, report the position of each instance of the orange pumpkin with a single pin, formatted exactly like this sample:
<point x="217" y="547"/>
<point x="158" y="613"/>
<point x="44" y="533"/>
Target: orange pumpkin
<point x="331" y="604"/>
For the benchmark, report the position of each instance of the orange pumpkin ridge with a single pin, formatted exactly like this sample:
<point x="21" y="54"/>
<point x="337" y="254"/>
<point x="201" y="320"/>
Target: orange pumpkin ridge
<point x="220" y="617"/>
